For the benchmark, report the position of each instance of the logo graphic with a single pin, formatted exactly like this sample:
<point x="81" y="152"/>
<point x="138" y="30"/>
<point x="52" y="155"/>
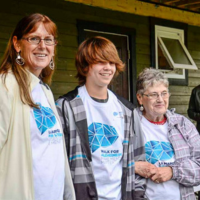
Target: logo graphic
<point x="44" y="118"/>
<point x="118" y="114"/>
<point x="115" y="113"/>
<point x="101" y="135"/>
<point x="158" y="151"/>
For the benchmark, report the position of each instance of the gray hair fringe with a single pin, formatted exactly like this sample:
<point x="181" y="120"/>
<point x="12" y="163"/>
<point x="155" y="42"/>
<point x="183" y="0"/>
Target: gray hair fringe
<point x="148" y="77"/>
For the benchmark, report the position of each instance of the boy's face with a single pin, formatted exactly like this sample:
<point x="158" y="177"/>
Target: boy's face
<point x="101" y="74"/>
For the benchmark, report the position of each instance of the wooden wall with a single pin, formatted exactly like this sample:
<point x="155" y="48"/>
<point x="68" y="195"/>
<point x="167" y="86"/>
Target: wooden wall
<point x="181" y="94"/>
<point x="65" y="14"/>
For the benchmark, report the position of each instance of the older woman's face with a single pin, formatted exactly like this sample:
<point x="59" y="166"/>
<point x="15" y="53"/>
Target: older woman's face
<point x="154" y="107"/>
<point x="36" y="56"/>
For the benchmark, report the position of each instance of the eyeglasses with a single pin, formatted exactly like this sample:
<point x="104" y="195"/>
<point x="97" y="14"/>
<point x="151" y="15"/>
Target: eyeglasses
<point x="155" y="95"/>
<point x="36" y="40"/>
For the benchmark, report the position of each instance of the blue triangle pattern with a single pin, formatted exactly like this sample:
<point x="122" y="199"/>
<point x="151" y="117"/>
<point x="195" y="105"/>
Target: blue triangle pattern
<point x="101" y="135"/>
<point x="44" y="118"/>
<point x="156" y="150"/>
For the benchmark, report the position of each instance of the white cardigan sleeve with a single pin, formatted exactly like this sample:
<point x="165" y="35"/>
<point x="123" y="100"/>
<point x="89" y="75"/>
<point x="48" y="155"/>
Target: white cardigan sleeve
<point x="5" y="112"/>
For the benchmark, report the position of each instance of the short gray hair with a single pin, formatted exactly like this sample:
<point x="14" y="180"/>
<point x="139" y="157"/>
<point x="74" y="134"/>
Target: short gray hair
<point x="148" y="77"/>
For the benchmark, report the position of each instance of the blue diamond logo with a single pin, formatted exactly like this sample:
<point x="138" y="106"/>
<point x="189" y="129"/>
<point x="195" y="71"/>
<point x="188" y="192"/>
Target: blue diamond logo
<point x="101" y="135"/>
<point x="44" y="118"/>
<point x="158" y="151"/>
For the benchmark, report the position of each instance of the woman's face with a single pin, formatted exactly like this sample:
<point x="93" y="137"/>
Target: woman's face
<point x="36" y="56"/>
<point x="154" y="106"/>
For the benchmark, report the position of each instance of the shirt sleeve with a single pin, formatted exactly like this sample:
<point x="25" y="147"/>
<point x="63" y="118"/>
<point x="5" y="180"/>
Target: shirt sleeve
<point x="61" y="106"/>
<point x="5" y="113"/>
<point x="69" y="192"/>
<point x="186" y="170"/>
<point x="139" y="155"/>
<point x="62" y="112"/>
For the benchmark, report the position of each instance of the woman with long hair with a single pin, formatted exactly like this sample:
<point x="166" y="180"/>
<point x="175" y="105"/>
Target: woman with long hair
<point x="33" y="160"/>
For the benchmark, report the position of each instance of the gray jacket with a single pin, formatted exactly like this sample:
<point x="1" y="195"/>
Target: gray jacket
<point x="72" y="113"/>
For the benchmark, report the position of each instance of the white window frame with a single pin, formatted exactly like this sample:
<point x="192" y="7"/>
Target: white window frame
<point x="173" y="33"/>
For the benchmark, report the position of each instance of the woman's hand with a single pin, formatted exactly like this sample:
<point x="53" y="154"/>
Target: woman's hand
<point x="156" y="174"/>
<point x="145" y="169"/>
<point x="163" y="174"/>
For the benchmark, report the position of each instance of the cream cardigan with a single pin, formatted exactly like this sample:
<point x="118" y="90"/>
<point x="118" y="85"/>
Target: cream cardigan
<point x="16" y="177"/>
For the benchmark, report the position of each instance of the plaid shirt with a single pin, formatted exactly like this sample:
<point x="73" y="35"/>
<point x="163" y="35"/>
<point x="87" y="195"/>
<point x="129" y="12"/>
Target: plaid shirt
<point x="72" y="113"/>
<point x="186" y="143"/>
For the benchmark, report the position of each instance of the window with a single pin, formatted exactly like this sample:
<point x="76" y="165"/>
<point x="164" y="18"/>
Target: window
<point x="171" y="54"/>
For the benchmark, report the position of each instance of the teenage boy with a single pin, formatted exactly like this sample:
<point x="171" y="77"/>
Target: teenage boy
<point x="98" y="128"/>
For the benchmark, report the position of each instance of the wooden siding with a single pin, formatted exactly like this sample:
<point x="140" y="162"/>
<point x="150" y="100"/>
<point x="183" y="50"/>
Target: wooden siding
<point x="181" y="94"/>
<point x="145" y="9"/>
<point x="188" y="5"/>
<point x="65" y="14"/>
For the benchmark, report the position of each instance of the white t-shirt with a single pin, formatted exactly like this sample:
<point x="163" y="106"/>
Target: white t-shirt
<point x="47" y="150"/>
<point x="106" y="135"/>
<point x="159" y="152"/>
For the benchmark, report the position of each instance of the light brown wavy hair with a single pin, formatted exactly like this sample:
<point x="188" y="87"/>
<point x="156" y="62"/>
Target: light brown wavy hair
<point x="92" y="51"/>
<point x="26" y="25"/>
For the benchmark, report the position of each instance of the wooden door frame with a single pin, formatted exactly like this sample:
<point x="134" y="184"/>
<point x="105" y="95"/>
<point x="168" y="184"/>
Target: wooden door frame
<point x="130" y="32"/>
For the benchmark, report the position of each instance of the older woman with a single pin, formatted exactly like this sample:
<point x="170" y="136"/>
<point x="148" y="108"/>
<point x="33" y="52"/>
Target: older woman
<point x="171" y="141"/>
<point x="33" y="160"/>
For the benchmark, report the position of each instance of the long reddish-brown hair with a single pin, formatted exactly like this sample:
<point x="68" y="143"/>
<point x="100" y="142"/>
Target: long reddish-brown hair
<point x="26" y="25"/>
<point x="93" y="50"/>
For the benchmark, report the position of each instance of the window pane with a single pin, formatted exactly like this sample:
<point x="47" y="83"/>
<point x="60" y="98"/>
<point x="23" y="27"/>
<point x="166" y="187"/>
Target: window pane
<point x="162" y="61"/>
<point x="164" y="65"/>
<point x="176" y="51"/>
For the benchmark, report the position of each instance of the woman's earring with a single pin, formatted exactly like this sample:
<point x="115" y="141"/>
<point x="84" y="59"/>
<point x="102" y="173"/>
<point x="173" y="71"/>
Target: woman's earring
<point x="19" y="60"/>
<point x="51" y="64"/>
<point x="141" y="108"/>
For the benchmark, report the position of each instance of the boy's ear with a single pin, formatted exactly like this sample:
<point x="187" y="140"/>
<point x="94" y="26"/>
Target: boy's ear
<point x="87" y="70"/>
